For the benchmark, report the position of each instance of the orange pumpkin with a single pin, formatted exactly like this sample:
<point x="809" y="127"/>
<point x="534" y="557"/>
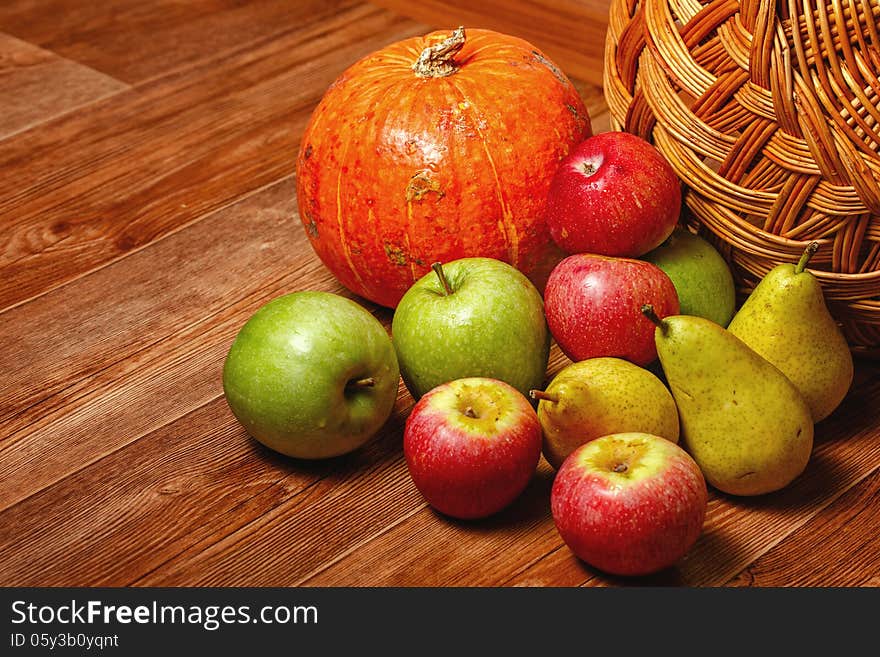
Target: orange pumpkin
<point x="432" y="149"/>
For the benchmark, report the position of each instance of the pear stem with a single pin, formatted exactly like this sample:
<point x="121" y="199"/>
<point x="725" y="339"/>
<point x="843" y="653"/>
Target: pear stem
<point x="812" y="247"/>
<point x="438" y="269"/>
<point x="544" y="396"/>
<point x="649" y="312"/>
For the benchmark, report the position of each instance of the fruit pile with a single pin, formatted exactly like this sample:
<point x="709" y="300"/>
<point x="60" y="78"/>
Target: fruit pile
<point x="644" y="309"/>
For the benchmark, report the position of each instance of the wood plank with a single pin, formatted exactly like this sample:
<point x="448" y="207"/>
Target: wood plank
<point x="123" y="516"/>
<point x="601" y="122"/>
<point x="558" y="567"/>
<point x="838" y="547"/>
<point x="129" y="358"/>
<point x="88" y="188"/>
<point x="125" y="513"/>
<point x="109" y="36"/>
<point x="306" y="530"/>
<point x="737" y="531"/>
<point x="432" y="550"/>
<point x="570" y="32"/>
<point x="38" y="85"/>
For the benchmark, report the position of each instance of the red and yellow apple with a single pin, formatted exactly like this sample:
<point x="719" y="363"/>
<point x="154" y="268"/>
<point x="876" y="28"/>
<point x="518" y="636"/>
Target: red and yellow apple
<point x="629" y="503"/>
<point x="471" y="446"/>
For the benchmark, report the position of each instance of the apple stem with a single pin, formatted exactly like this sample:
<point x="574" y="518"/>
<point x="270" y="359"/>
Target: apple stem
<point x="469" y="411"/>
<point x="620" y="467"/>
<point x="367" y="382"/>
<point x="545" y="396"/>
<point x="438" y="269"/>
<point x="648" y="311"/>
<point x="811" y="249"/>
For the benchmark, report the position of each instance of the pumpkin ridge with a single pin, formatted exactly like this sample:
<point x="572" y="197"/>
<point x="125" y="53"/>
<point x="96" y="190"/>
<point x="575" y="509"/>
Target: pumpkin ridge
<point x="381" y="68"/>
<point x="402" y="55"/>
<point x="408" y="119"/>
<point x="407" y="230"/>
<point x="346" y="249"/>
<point x="507" y="225"/>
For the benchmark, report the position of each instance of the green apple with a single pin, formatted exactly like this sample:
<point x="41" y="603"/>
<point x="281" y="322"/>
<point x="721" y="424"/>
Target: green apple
<point x="701" y="276"/>
<point x="473" y="317"/>
<point x="311" y="375"/>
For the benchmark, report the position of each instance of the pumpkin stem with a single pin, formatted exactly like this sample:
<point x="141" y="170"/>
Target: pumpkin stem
<point x="437" y="61"/>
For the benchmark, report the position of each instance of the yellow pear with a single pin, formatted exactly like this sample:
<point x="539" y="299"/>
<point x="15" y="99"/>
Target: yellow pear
<point x="785" y="319"/>
<point x="601" y="396"/>
<point x="743" y="421"/>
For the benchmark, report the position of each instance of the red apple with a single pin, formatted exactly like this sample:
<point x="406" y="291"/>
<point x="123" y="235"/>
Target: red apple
<point x="629" y="503"/>
<point x="594" y="305"/>
<point x="472" y="446"/>
<point x="614" y="194"/>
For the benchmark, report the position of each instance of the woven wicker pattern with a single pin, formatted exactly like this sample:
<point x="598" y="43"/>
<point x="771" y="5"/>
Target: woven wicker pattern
<point x="770" y="113"/>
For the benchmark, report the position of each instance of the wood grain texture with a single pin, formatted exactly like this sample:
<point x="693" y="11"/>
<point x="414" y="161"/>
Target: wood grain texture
<point x="135" y="41"/>
<point x="847" y="529"/>
<point x="140" y="230"/>
<point x="38" y="85"/>
<point x="570" y="32"/>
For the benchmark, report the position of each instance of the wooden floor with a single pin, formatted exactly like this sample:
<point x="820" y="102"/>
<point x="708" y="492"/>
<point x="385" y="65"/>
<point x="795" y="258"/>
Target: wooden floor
<point x="146" y="210"/>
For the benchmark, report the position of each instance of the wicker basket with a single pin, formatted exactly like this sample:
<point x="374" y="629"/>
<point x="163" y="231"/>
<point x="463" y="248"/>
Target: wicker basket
<point x="770" y="113"/>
